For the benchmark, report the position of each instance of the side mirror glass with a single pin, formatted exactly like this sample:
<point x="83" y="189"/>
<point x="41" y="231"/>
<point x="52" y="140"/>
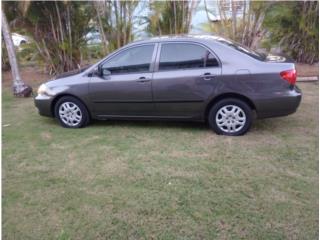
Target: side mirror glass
<point x="105" y="72"/>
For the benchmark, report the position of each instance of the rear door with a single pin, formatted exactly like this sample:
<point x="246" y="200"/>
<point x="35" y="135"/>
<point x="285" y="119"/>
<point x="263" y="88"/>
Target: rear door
<point x="184" y="79"/>
<point x="127" y="91"/>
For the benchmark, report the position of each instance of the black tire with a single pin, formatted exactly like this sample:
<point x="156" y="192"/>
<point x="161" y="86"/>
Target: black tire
<point x="85" y="117"/>
<point x="246" y="110"/>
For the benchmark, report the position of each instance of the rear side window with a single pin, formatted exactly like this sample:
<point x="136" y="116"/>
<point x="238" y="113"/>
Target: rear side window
<point x="133" y="60"/>
<point x="185" y="56"/>
<point x="242" y="48"/>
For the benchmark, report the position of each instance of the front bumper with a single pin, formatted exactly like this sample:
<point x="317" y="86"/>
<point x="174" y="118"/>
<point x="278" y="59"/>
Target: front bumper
<point x="280" y="104"/>
<point x="44" y="103"/>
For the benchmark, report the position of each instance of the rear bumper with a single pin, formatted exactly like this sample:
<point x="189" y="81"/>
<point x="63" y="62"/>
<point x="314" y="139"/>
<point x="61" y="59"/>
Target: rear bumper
<point x="280" y="104"/>
<point x="43" y="104"/>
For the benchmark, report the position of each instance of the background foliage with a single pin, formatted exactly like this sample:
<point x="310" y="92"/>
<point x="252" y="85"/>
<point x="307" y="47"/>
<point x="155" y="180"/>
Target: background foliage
<point x="170" y="17"/>
<point x="115" y="21"/>
<point x="240" y="21"/>
<point x="295" y="26"/>
<point x="59" y="27"/>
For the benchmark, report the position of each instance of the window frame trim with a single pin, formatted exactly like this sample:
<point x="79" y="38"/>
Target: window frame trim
<point x="157" y="60"/>
<point x="152" y="61"/>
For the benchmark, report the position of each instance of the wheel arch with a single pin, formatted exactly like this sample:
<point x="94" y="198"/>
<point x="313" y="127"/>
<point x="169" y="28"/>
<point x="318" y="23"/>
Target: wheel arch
<point x="59" y="96"/>
<point x="228" y="95"/>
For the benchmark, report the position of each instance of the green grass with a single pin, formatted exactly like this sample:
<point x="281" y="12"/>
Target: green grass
<point x="153" y="180"/>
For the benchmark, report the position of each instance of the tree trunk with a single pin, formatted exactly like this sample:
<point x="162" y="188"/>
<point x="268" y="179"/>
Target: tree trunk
<point x="175" y="17"/>
<point x="207" y="13"/>
<point x="20" y="89"/>
<point x="125" y="22"/>
<point x="117" y="23"/>
<point x="234" y="19"/>
<point x="104" y="39"/>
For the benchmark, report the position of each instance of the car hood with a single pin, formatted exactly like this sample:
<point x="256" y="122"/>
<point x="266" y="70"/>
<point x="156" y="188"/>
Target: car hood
<point x="71" y="73"/>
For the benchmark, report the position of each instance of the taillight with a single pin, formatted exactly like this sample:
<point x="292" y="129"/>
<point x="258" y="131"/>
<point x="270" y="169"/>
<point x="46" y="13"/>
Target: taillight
<point x="290" y="76"/>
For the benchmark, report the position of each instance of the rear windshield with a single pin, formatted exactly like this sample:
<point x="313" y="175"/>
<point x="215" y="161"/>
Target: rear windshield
<point x="242" y="48"/>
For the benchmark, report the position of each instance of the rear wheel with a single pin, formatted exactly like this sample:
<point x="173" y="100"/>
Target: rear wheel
<point x="231" y="117"/>
<point x="71" y="113"/>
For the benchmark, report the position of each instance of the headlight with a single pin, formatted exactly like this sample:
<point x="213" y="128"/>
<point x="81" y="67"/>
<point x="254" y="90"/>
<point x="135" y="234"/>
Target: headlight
<point x="42" y="90"/>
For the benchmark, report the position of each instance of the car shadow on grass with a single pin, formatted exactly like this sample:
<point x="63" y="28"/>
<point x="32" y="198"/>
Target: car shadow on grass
<point x="155" y="124"/>
<point x="271" y="124"/>
<point x="137" y="124"/>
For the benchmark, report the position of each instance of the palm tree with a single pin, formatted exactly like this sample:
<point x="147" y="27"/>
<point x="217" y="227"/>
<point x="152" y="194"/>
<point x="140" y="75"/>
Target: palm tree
<point x="19" y="87"/>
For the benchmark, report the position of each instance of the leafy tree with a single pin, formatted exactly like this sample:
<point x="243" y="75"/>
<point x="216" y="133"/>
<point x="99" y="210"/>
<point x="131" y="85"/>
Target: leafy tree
<point x="295" y="26"/>
<point x="238" y="20"/>
<point x="58" y="29"/>
<point x="170" y="17"/>
<point x="115" y="20"/>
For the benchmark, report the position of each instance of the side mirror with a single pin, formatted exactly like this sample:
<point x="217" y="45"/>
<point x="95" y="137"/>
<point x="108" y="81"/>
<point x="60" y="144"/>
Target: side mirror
<point x="103" y="72"/>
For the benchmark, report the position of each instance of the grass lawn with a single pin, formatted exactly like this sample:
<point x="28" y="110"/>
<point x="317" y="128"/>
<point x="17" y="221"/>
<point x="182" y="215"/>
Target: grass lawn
<point x="153" y="180"/>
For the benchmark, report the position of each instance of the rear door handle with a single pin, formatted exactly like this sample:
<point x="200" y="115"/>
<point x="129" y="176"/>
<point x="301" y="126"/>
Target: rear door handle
<point x="143" y="79"/>
<point x="207" y="76"/>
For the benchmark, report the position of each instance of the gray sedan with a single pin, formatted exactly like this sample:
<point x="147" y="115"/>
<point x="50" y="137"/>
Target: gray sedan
<point x="194" y="78"/>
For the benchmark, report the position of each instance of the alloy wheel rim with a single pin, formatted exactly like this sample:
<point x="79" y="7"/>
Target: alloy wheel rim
<point x="70" y="114"/>
<point x="230" y="118"/>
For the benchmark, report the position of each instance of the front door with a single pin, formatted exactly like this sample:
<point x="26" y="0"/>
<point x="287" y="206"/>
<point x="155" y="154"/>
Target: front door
<point x="127" y="90"/>
<point x="185" y="79"/>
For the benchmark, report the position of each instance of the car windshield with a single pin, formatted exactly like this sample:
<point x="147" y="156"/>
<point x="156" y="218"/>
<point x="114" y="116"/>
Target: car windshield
<point x="242" y="48"/>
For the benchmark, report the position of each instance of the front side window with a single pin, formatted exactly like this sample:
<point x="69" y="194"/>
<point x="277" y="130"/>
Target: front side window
<point x="185" y="56"/>
<point x="133" y="60"/>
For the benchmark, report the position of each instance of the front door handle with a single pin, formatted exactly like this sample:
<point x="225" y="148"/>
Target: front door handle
<point x="143" y="79"/>
<point x="207" y="76"/>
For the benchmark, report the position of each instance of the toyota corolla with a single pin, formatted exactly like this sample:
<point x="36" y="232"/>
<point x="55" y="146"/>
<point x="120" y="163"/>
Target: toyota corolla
<point x="194" y="78"/>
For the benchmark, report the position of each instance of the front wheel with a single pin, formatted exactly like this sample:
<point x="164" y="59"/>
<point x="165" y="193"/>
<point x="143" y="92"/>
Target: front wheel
<point x="231" y="117"/>
<point x="71" y="112"/>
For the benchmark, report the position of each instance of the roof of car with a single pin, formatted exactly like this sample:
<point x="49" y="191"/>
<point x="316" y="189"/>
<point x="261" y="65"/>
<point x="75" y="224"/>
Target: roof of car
<point x="183" y="37"/>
